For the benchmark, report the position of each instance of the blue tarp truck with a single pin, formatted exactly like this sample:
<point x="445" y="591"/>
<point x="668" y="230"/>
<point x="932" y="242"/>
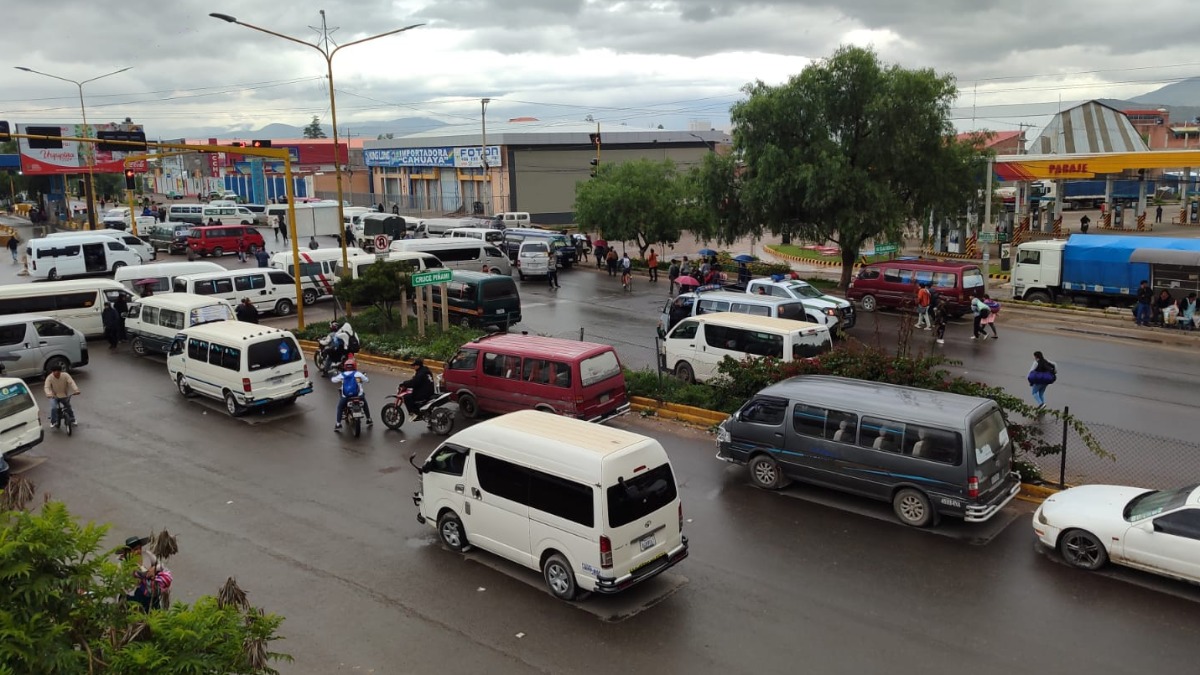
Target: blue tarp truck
<point x="1102" y="270"/>
<point x="1089" y="194"/>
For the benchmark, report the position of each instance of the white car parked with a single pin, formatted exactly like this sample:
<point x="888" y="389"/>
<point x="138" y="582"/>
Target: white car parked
<point x="1153" y="530"/>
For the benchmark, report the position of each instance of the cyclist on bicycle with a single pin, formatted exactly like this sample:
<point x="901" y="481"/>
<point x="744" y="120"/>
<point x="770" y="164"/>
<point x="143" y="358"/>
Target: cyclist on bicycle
<point x="60" y="387"/>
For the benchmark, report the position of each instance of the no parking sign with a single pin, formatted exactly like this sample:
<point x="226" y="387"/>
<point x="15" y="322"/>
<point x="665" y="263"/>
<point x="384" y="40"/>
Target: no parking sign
<point x="381" y="242"/>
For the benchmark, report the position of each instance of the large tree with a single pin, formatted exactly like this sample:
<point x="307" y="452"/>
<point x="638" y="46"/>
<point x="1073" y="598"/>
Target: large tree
<point x="639" y="201"/>
<point x="314" y="130"/>
<point x="848" y="151"/>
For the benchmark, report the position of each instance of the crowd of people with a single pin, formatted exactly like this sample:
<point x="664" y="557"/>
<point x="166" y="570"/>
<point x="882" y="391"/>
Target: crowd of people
<point x="1163" y="309"/>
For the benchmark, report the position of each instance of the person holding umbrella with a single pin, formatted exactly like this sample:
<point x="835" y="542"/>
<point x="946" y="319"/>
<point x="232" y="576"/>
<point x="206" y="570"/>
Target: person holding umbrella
<point x="599" y="247"/>
<point x="687" y="283"/>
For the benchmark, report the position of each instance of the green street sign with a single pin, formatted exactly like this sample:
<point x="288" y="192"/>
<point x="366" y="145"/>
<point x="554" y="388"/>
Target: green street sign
<point x="886" y="248"/>
<point x="988" y="237"/>
<point x="431" y="277"/>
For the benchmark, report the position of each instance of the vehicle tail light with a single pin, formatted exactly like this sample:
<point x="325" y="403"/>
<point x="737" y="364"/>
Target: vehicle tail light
<point x="578" y="399"/>
<point x="973" y="487"/>
<point x="246" y="384"/>
<point x="681" y="515"/>
<point x="306" y="370"/>
<point x="605" y="553"/>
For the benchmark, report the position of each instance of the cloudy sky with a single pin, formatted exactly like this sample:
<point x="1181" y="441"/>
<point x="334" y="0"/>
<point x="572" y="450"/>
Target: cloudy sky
<point x="634" y="62"/>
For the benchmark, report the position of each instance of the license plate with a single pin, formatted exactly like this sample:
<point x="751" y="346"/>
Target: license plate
<point x="995" y="478"/>
<point x="277" y="379"/>
<point x="500" y="311"/>
<point x="604" y="398"/>
<point x="648" y="542"/>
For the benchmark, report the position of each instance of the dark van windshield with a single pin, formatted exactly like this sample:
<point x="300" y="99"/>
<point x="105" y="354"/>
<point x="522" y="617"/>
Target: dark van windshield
<point x="640" y="496"/>
<point x="271" y="353"/>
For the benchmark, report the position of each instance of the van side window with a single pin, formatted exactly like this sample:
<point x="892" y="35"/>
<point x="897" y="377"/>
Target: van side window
<point x="231" y="358"/>
<point x="764" y="411"/>
<point x="945" y="279"/>
<point x="937" y="445"/>
<point x="809" y="346"/>
<point x="77" y="300"/>
<point x="465" y="359"/>
<point x="214" y="354"/>
<point x="924" y="276"/>
<point x="281" y="279"/>
<point x="197" y="349"/>
<point x="722" y="337"/>
<point x="881" y="434"/>
<point x="151" y="315"/>
<point x="712" y="306"/>
<point x="12" y="334"/>
<point x="808" y="420"/>
<point x="134" y="312"/>
<point x="686" y="330"/>
<point x="502" y="479"/>
<point x="251" y="282"/>
<point x="53" y="329"/>
<point x="906" y="276"/>
<point x="169" y="318"/>
<point x="493" y="364"/>
<point x="116" y="246"/>
<point x="746" y="308"/>
<point x="541" y="371"/>
<point x="213" y="286"/>
<point x="449" y="459"/>
<point x="891" y="274"/>
<point x="563" y="498"/>
<point x="841" y="427"/>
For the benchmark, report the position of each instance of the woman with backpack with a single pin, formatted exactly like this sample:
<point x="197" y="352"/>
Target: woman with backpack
<point x="981" y="312"/>
<point x="990" y="320"/>
<point x="1042" y="374"/>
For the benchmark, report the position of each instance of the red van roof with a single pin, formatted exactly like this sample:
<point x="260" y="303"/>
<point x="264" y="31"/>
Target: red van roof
<point x="943" y="264"/>
<point x="571" y="349"/>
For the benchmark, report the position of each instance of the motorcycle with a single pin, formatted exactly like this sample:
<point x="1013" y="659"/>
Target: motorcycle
<point x="354" y="414"/>
<point x="437" y="413"/>
<point x="326" y="364"/>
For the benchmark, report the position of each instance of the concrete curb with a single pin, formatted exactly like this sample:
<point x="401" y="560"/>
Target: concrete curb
<point x="312" y="347"/>
<point x="800" y="259"/>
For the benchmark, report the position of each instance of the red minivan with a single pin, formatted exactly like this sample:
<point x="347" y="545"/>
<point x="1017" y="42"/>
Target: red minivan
<point x="216" y="240"/>
<point x="502" y="372"/>
<point x="893" y="283"/>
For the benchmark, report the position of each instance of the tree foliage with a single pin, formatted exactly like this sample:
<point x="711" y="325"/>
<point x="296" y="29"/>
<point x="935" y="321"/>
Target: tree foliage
<point x="639" y="201"/>
<point x="314" y="130"/>
<point x="62" y="610"/>
<point x="850" y="150"/>
<point x="382" y="284"/>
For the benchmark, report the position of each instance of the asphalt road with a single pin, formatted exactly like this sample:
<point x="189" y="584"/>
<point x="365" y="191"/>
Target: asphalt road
<point x="320" y="528"/>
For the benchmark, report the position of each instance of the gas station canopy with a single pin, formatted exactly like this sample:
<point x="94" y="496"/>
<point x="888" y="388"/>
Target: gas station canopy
<point x="1090" y="165"/>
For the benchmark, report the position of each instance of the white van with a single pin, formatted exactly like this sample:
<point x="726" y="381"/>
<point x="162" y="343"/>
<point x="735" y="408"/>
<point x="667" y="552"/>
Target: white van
<point x="533" y="259"/>
<point x="31" y="345"/>
<point x="318" y="269"/>
<point x="459" y="254"/>
<point x="186" y="213"/>
<point x="352" y="217"/>
<point x="57" y="257"/>
<point x="593" y="508"/>
<point x="419" y="261"/>
<point x="491" y="236"/>
<point x="269" y="290"/>
<point x="77" y="302"/>
<point x="438" y="227"/>
<point x="120" y="221"/>
<point x="246" y="365"/>
<point x="509" y="219"/>
<point x="154" y="322"/>
<point x="161" y="274"/>
<point x="227" y="215"/>
<point x="694" y="348"/>
<point x="715" y="302"/>
<point x="20" y="418"/>
<point x="143" y="248"/>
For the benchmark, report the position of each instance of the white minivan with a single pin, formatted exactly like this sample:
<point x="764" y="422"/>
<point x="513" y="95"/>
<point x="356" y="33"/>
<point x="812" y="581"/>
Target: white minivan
<point x="57" y="257"/>
<point x="77" y="302"/>
<point x="228" y="215"/>
<point x="416" y="260"/>
<point x="154" y="322"/>
<point x="533" y="259"/>
<point x="467" y="254"/>
<point x="318" y="269"/>
<point x="491" y="236"/>
<point x="135" y="244"/>
<point x="592" y="507"/>
<point x="695" y="347"/>
<point x="159" y="276"/>
<point x="20" y="419"/>
<point x="31" y="345"/>
<point x="269" y="290"/>
<point x="246" y="365"/>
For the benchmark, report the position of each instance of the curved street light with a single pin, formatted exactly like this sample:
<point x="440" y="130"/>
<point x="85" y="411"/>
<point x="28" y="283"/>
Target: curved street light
<point x="323" y="48"/>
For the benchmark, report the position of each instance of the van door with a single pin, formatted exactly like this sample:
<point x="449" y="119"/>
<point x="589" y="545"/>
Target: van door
<point x="499" y="383"/>
<point x="990" y="454"/>
<point x="95" y="260"/>
<point x="714" y="343"/>
<point x="497" y="517"/>
<point x="679" y="347"/>
<point x="254" y="286"/>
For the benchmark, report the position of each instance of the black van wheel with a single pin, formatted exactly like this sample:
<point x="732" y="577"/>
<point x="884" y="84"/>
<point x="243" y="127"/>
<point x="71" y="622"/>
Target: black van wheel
<point x="185" y="389"/>
<point x="468" y="406"/>
<point x="60" y="361"/>
<point x="560" y="580"/>
<point x="138" y="346"/>
<point x="310" y="296"/>
<point x="868" y="303"/>
<point x="52" y="275"/>
<point x="117" y="265"/>
<point x="683" y="371"/>
<point x="912" y="507"/>
<point x="766" y="474"/>
<point x="450" y="531"/>
<point x="232" y="406"/>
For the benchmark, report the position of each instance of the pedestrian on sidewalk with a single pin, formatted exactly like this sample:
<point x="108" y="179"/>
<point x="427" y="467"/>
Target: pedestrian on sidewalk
<point x="652" y="265"/>
<point x="1158" y="214"/>
<point x="980" y="311"/>
<point x="1141" y="311"/>
<point x="13" y="246"/>
<point x="552" y="271"/>
<point x="939" y="320"/>
<point x="993" y="312"/>
<point x="246" y="312"/>
<point x="923" y="301"/>
<point x="672" y="275"/>
<point x="611" y="259"/>
<point x="1042" y="374"/>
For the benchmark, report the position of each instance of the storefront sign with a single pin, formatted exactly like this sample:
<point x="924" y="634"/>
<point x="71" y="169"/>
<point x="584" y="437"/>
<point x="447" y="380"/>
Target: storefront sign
<point x="441" y="157"/>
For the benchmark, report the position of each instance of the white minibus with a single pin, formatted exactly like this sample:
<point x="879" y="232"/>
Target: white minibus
<point x="268" y="289"/>
<point x="439" y="227"/>
<point x="419" y="261"/>
<point x="154" y="322"/>
<point x="318" y="269"/>
<point x="139" y="246"/>
<point x="490" y="235"/>
<point x="159" y="276"/>
<point x="57" y="257"/>
<point x="695" y="347"/>
<point x="228" y="215"/>
<point x="460" y="254"/>
<point x="77" y="302"/>
<point x="592" y="507"/>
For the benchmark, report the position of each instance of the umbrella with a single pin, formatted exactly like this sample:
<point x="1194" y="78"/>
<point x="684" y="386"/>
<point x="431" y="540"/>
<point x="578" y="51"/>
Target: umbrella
<point x="686" y="280"/>
<point x="707" y="251"/>
<point x="744" y="258"/>
<point x="145" y="282"/>
<point x="599" y="242"/>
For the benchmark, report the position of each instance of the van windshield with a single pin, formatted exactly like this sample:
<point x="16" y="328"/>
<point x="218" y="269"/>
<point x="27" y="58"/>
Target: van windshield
<point x="271" y="353"/>
<point x="13" y="399"/>
<point x="640" y="496"/>
<point x="802" y="290"/>
<point x="599" y="368"/>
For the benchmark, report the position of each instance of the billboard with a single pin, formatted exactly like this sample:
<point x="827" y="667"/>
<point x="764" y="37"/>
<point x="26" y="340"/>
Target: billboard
<point x="442" y="157"/>
<point x="41" y="158"/>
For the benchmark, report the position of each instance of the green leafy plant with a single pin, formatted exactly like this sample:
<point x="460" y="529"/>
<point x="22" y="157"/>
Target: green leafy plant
<point x="381" y="285"/>
<point x="380" y="337"/>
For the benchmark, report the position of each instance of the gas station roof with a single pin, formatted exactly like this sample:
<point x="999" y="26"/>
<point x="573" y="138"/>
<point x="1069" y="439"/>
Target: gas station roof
<point x="1090" y="165"/>
<point x="1088" y="127"/>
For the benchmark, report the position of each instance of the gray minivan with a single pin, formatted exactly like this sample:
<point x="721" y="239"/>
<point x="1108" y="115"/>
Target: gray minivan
<point x="928" y="453"/>
<point x="32" y="344"/>
<point x="713" y="302"/>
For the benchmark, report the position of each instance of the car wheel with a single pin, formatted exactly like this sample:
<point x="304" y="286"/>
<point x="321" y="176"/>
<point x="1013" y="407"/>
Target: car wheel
<point x="217" y="252"/>
<point x="310" y="296"/>
<point x="1082" y="549"/>
<point x="184" y="388"/>
<point x="868" y="303"/>
<point x="468" y="406"/>
<point x="559" y="577"/>
<point x="52" y="275"/>
<point x="56" y="361"/>
<point x="683" y="371"/>
<point x="246" y="222"/>
<point x="231" y="405"/>
<point x="912" y="507"/>
<point x="138" y="346"/>
<point x="450" y="531"/>
<point x="766" y="473"/>
<point x="465" y="322"/>
<point x="117" y="265"/>
<point x="542" y="407"/>
<point x="284" y="307"/>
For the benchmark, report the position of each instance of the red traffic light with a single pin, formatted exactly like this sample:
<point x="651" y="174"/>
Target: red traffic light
<point x="130" y="179"/>
<point x="260" y="144"/>
<point x="237" y="144"/>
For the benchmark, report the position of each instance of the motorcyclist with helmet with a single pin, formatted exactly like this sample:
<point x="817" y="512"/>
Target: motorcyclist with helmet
<point x="337" y="343"/>
<point x="421" y="384"/>
<point x="352" y="385"/>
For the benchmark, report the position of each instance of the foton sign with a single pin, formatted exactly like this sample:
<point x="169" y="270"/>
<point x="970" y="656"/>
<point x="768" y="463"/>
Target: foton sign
<point x="1074" y="168"/>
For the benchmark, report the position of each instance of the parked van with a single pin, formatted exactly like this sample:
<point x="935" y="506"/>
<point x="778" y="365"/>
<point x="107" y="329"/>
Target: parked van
<point x="823" y="308"/>
<point x="438" y="227"/>
<point x="417" y="260"/>
<point x="694" y="348"/>
<point x="228" y="215"/>
<point x="491" y="236"/>
<point x="32" y="344"/>
<point x="501" y="373"/>
<point x="77" y="302"/>
<point x="169" y="236"/>
<point x="154" y="322"/>
<point x="20" y="419"/>
<point x="144" y="250"/>
<point x="459" y="254"/>
<point x="894" y="284"/>
<point x="926" y="452"/>
<point x="564" y="248"/>
<point x="57" y="257"/>
<point x="509" y="219"/>
<point x="591" y="507"/>
<point x="269" y="290"/>
<point x="186" y="213"/>
<point x="533" y="259"/>
<point x="478" y="299"/>
<point x="246" y="365"/>
<point x="715" y="302"/>
<point x="216" y="240"/>
<point x="371" y="225"/>
<point x="121" y="222"/>
<point x="318" y="269"/>
<point x="161" y="275"/>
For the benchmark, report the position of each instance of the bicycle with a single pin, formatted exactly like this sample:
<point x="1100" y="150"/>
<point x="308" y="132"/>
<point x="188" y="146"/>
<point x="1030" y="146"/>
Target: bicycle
<point x="63" y="413"/>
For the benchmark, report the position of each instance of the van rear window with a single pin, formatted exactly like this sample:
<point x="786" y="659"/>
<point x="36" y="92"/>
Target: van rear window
<point x="502" y="287"/>
<point x="640" y="496"/>
<point x="972" y="278"/>
<point x="14" y="398"/>
<point x="599" y="368"/>
<point x="271" y="353"/>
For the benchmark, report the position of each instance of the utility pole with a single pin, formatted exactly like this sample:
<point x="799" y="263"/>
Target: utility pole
<point x="483" y="151"/>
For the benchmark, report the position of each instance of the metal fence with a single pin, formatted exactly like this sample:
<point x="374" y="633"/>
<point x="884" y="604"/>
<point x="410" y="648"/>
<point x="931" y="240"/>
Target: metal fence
<point x="1139" y="459"/>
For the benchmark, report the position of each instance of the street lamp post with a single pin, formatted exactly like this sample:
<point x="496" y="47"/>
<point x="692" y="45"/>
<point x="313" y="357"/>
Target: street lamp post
<point x="90" y="152"/>
<point x="483" y="155"/>
<point x="323" y="48"/>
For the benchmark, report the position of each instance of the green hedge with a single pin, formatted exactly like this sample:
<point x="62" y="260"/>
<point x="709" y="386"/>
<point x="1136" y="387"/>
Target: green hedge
<point x="379" y="338"/>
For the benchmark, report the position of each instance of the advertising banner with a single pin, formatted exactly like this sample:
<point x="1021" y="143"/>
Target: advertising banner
<point x="442" y="157"/>
<point x="42" y="158"/>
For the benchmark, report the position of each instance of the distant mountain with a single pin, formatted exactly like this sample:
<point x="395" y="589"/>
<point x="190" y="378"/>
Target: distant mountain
<point x="1182" y="93"/>
<point x="364" y="130"/>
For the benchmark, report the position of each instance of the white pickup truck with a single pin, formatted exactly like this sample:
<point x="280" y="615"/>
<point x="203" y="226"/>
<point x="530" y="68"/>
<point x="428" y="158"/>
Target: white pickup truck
<point x="824" y="309"/>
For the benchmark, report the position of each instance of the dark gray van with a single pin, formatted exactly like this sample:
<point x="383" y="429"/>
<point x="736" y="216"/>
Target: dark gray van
<point x="928" y="453"/>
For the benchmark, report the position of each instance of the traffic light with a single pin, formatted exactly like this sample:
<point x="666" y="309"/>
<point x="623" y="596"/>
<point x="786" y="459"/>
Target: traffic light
<point x="138" y="137"/>
<point x="594" y="138"/>
<point x="53" y="143"/>
<point x="595" y="166"/>
<point x="237" y="144"/>
<point x="130" y="179"/>
<point x="5" y="131"/>
<point x="260" y="144"/>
